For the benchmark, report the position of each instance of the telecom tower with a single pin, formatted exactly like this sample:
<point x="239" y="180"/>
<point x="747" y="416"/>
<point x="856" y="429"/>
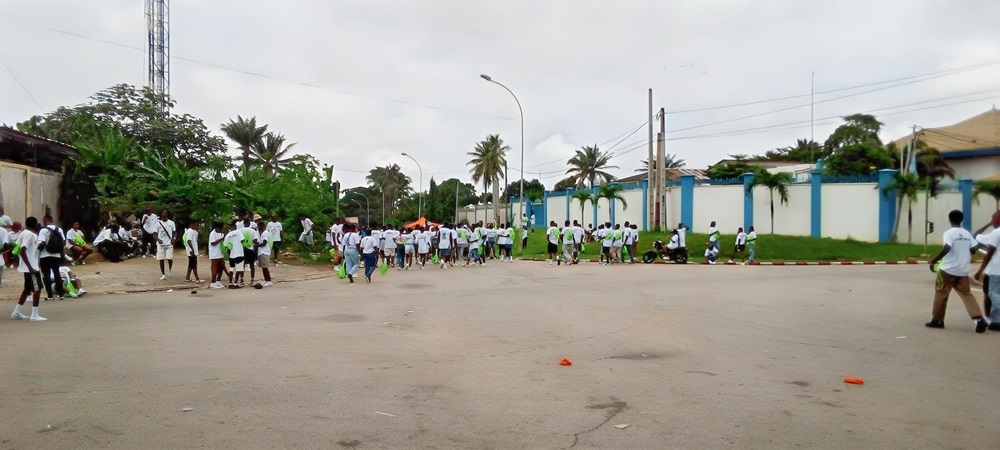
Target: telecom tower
<point x="158" y="33"/>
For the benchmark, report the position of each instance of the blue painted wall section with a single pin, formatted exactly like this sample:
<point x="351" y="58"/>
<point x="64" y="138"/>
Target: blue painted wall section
<point x="569" y="200"/>
<point x="593" y="203"/>
<point x="645" y="204"/>
<point x="543" y="217"/>
<point x="965" y="186"/>
<point x="747" y="201"/>
<point x="886" y="204"/>
<point x="816" y="205"/>
<point x="687" y="201"/>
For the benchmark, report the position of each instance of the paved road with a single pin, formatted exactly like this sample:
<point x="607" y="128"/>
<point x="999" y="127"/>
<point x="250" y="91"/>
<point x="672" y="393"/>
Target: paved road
<point x="688" y="357"/>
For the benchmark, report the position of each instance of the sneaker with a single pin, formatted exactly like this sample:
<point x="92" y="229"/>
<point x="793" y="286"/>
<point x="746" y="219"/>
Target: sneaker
<point x="83" y="263"/>
<point x="187" y="280"/>
<point x="163" y="277"/>
<point x="72" y="295"/>
<point x="215" y="286"/>
<point x="47" y="299"/>
<point x="37" y="319"/>
<point x="168" y="271"/>
<point x="83" y="291"/>
<point x="994" y="327"/>
<point x="934" y="324"/>
<point x="268" y="283"/>
<point x="199" y="281"/>
<point x="234" y="286"/>
<point x="18" y="316"/>
<point x="981" y="325"/>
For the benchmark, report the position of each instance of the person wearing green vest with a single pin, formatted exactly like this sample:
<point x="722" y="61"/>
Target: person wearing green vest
<point x="617" y="241"/>
<point x="568" y="242"/>
<point x="751" y="244"/>
<point x="462" y="243"/>
<point x="713" y="236"/>
<point x="76" y="245"/>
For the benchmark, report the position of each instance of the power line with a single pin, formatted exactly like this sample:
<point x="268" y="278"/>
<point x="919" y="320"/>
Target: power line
<point x="790" y="97"/>
<point x="19" y="83"/>
<point x="265" y="76"/>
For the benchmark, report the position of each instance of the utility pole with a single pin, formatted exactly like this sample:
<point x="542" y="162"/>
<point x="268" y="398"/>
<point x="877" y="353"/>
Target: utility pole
<point x="812" y="114"/>
<point x="650" y="181"/>
<point x="661" y="174"/>
<point x="158" y="47"/>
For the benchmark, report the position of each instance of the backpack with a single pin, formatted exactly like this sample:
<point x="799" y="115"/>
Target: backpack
<point x="55" y="243"/>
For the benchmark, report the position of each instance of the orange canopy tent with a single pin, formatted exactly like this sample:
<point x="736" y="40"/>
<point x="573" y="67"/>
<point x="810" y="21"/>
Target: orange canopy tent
<point x="421" y="222"/>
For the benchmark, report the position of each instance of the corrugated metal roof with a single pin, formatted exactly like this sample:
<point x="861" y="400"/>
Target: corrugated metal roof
<point x="672" y="174"/>
<point x="981" y="131"/>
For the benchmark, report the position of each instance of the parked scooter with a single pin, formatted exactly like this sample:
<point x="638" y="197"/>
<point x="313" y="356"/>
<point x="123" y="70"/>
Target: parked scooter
<point x="678" y="255"/>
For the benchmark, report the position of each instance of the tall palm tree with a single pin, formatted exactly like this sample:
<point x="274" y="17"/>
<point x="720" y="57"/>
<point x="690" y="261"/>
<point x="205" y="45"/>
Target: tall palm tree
<point x="991" y="188"/>
<point x="583" y="197"/>
<point x="588" y="165"/>
<point x="391" y="183"/>
<point x="270" y="151"/>
<point x="610" y="191"/>
<point x="931" y="167"/>
<point x="670" y="161"/>
<point x="488" y="161"/>
<point x="774" y="182"/>
<point x="244" y="133"/>
<point x="905" y="185"/>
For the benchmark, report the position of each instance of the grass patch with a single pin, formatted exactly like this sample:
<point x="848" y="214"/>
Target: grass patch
<point x="769" y="248"/>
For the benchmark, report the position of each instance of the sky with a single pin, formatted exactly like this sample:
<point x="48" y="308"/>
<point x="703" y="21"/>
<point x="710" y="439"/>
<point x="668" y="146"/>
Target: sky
<point x="356" y="83"/>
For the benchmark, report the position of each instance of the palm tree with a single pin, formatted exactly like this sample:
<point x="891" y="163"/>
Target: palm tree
<point x="774" y="182"/>
<point x="931" y="167"/>
<point x="670" y="161"/>
<point x="904" y="184"/>
<point x="391" y="183"/>
<point x="244" y="133"/>
<point x="488" y="161"/>
<point x="270" y="152"/>
<point x="988" y="187"/>
<point x="583" y="197"/>
<point x="610" y="191"/>
<point x="588" y="166"/>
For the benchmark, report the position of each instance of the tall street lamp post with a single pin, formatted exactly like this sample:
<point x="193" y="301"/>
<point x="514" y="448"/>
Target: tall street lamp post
<point x="420" y="187"/>
<point x="520" y="197"/>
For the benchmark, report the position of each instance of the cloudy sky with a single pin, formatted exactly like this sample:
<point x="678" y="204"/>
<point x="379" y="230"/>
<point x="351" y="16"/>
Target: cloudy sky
<point x="356" y="83"/>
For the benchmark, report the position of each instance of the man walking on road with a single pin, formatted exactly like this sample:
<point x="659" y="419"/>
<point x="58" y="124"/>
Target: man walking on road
<point x="953" y="273"/>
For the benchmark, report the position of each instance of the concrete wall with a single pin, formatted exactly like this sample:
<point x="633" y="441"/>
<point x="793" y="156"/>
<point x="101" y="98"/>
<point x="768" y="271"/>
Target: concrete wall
<point x="26" y="191"/>
<point x="722" y="204"/>
<point x="850" y="210"/>
<point x="975" y="168"/>
<point x="792" y="219"/>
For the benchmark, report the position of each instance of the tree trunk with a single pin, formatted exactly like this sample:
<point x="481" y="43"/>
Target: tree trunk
<point x="246" y="157"/>
<point x="909" y="221"/>
<point x="772" y="210"/>
<point x="496" y="203"/>
<point x="899" y="215"/>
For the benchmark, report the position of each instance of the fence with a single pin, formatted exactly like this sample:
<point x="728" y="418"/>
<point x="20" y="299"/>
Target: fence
<point x="27" y="191"/>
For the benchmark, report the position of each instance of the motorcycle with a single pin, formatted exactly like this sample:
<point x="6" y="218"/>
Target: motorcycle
<point x="678" y="255"/>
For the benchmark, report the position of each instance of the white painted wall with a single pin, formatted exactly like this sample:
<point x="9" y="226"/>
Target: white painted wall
<point x="975" y="168"/>
<point x="850" y="210"/>
<point x="793" y="219"/>
<point x="723" y="204"/>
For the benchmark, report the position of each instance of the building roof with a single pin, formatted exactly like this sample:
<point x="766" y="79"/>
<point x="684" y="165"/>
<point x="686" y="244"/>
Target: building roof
<point x="672" y="175"/>
<point x="979" y="132"/>
<point x="767" y="164"/>
<point x="30" y="150"/>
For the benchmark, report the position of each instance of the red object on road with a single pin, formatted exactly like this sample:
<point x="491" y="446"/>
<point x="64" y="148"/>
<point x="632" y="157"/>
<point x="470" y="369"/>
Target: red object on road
<point x="565" y="362"/>
<point x="854" y="380"/>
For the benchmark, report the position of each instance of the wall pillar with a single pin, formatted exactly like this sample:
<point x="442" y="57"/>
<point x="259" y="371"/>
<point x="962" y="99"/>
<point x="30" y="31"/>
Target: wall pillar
<point x="569" y="201"/>
<point x="747" y="200"/>
<point x="886" y="204"/>
<point x="645" y="204"/>
<point x="965" y="186"/>
<point x="687" y="201"/>
<point x="593" y="203"/>
<point x="545" y="210"/>
<point x="816" y="205"/>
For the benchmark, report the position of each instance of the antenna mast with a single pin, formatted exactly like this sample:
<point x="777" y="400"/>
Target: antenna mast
<point x="158" y="37"/>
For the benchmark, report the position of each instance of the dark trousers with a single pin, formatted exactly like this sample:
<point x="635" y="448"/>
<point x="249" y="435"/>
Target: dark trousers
<point x="371" y="263"/>
<point x="148" y="245"/>
<point x="49" y="266"/>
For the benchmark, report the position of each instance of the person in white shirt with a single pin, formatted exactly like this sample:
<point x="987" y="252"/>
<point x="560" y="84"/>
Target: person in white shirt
<point x="578" y="235"/>
<point x="635" y="241"/>
<point x="461" y="243"/>
<point x="627" y="242"/>
<point x="250" y="239"/>
<point x="218" y="264"/>
<point x="504" y="242"/>
<point x="165" y="237"/>
<point x="109" y="244"/>
<point x="445" y="242"/>
<point x="369" y="253"/>
<point x="264" y="253"/>
<point x="150" y="227"/>
<point x="491" y="242"/>
<point x="682" y="230"/>
<point x="76" y="245"/>
<point x="552" y="233"/>
<point x="408" y="248"/>
<point x="352" y="251"/>
<point x="191" y="248"/>
<point x="713" y="235"/>
<point x="423" y="240"/>
<point x="5" y="221"/>
<point x="275" y="228"/>
<point x="71" y="283"/>
<point x="617" y="241"/>
<point x="51" y="258"/>
<point x="741" y="246"/>
<point x="233" y="242"/>
<point x="953" y="273"/>
<point x="28" y="242"/>
<point x="751" y="244"/>
<point x="598" y="238"/>
<point x="306" y="238"/>
<point x="389" y="237"/>
<point x="991" y="267"/>
<point x="608" y="238"/>
<point x="4" y="247"/>
<point x="711" y="253"/>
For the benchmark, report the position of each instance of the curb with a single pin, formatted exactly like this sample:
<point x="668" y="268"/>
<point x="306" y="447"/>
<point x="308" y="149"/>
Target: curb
<point x="779" y="263"/>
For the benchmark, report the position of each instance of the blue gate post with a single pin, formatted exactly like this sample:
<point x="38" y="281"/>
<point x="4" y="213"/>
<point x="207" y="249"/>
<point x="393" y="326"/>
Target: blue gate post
<point x="545" y="211"/>
<point x="886" y="204"/>
<point x="569" y="200"/>
<point x="816" y="217"/>
<point x="687" y="201"/>
<point x="747" y="200"/>
<point x="645" y="204"/>
<point x="593" y="202"/>
<point x="965" y="185"/>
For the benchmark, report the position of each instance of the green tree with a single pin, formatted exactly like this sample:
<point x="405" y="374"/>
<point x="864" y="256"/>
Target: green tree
<point x="988" y="187"/>
<point x="731" y="169"/>
<point x="670" y="161"/>
<point x="855" y="147"/>
<point x="514" y="188"/>
<point x="391" y="184"/>
<point x="610" y="191"/>
<point x="565" y="183"/>
<point x="271" y="152"/>
<point x="583" y="197"/>
<point x="804" y="151"/>
<point x="488" y="161"/>
<point x="774" y="182"/>
<point x="904" y="185"/>
<point x="587" y="166"/>
<point x="246" y="134"/>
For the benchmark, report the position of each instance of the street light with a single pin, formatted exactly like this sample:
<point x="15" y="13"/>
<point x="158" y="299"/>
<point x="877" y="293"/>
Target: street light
<point x="420" y="188"/>
<point x="383" y="199"/>
<point x="520" y="203"/>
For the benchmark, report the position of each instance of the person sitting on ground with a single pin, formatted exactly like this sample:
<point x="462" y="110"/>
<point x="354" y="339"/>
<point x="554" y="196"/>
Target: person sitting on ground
<point x="73" y="285"/>
<point x="711" y="253"/>
<point x="76" y="245"/>
<point x="109" y="244"/>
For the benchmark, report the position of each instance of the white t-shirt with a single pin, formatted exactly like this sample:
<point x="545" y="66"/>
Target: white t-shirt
<point x="192" y="237"/>
<point x="491" y="233"/>
<point x="462" y="236"/>
<point x="351" y="240"/>
<point x="368" y="244"/>
<point x="71" y="236"/>
<point x="956" y="261"/>
<point x="408" y="239"/>
<point x="503" y="236"/>
<point x="444" y="238"/>
<point x="713" y="234"/>
<point x="43" y="237"/>
<point x="680" y="236"/>
<point x="307" y="225"/>
<point x="741" y="239"/>
<point x="3" y="236"/>
<point x="993" y="240"/>
<point x="150" y="223"/>
<point x="608" y="237"/>
<point x="235" y="239"/>
<point x="617" y="238"/>
<point x="752" y="237"/>
<point x="711" y="252"/>
<point x="578" y="234"/>
<point x="426" y="239"/>
<point x="390" y="238"/>
<point x="567" y="234"/>
<point x="29" y="251"/>
<point x="215" y="250"/>
<point x="254" y="236"/>
<point x="167" y="231"/>
<point x="105" y="235"/>
<point x="275" y="229"/>
<point x="265" y="245"/>
<point x="553" y="234"/>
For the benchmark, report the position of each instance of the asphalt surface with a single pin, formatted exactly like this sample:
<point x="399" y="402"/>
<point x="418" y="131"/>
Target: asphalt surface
<point x="686" y="356"/>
